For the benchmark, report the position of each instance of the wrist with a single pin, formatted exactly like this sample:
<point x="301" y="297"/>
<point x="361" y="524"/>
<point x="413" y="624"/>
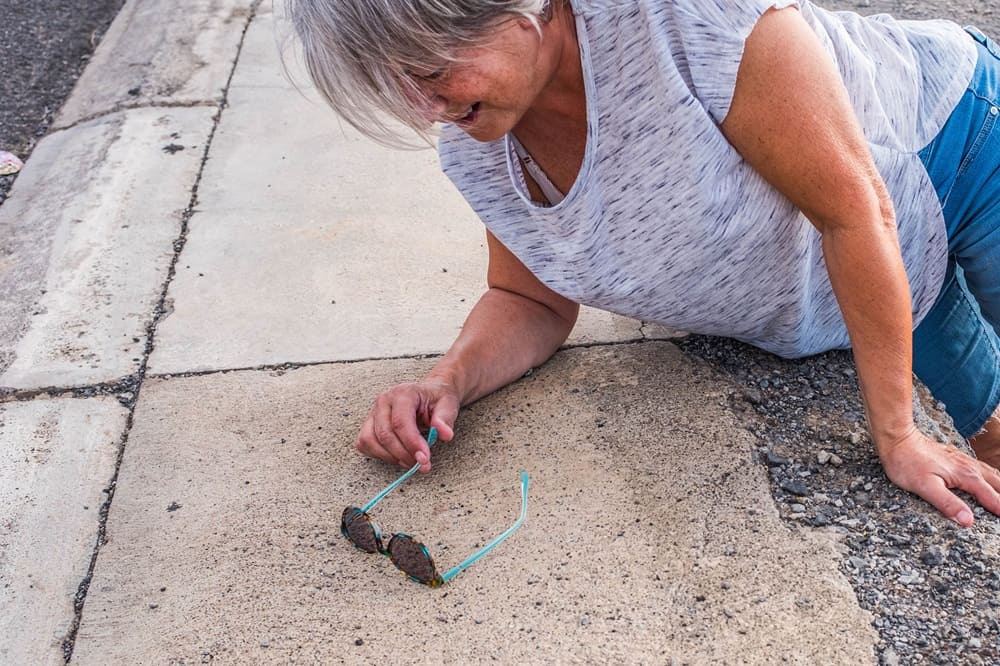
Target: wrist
<point x="446" y="378"/>
<point x="887" y="435"/>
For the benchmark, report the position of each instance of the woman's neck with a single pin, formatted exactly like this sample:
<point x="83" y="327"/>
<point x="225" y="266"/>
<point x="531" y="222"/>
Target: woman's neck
<point x="563" y="99"/>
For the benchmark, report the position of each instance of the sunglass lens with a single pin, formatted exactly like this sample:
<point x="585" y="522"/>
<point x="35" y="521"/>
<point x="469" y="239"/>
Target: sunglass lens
<point x="358" y="528"/>
<point x="413" y="559"/>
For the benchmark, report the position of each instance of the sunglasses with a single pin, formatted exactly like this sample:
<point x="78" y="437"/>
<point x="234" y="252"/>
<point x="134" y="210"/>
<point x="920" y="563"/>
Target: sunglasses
<point x="409" y="555"/>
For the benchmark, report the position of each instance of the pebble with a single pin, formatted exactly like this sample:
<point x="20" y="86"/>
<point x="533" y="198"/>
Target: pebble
<point x="794" y="487"/>
<point x="9" y="163"/>
<point x="774" y="460"/>
<point x="890" y="658"/>
<point x="797" y="508"/>
<point x="584" y="620"/>
<point x="933" y="556"/>
<point x="823" y="457"/>
<point x="899" y="540"/>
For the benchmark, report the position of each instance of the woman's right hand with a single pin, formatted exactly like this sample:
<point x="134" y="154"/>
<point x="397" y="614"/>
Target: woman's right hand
<point x="392" y="430"/>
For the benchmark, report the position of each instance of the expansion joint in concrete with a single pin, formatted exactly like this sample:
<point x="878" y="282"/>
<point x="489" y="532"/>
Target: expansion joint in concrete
<point x="80" y="599"/>
<point x="289" y="366"/>
<point x="123" y="388"/>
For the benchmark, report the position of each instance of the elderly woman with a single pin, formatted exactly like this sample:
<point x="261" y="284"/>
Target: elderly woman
<point x="766" y="170"/>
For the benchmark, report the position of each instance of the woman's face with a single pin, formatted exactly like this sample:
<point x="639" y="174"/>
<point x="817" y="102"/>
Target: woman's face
<point x="488" y="92"/>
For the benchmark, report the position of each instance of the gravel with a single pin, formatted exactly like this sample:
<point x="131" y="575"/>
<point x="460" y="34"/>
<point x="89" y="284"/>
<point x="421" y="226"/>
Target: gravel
<point x="931" y="586"/>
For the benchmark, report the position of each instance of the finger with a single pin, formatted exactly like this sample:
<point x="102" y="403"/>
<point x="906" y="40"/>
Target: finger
<point x="404" y="424"/>
<point x="368" y="444"/>
<point x="991" y="474"/>
<point x="984" y="491"/>
<point x="385" y="434"/>
<point x="443" y="416"/>
<point x="934" y="491"/>
<point x="397" y="453"/>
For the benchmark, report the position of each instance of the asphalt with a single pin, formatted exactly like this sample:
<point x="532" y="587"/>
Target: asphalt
<point x="44" y="46"/>
<point x="204" y="281"/>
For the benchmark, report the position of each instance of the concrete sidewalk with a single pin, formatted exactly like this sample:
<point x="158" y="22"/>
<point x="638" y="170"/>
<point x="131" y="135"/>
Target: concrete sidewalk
<point x="204" y="282"/>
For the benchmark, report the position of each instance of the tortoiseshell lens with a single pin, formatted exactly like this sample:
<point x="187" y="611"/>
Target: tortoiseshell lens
<point x="359" y="530"/>
<point x="411" y="556"/>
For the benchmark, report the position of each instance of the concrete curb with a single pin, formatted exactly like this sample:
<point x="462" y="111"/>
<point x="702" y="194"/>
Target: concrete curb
<point x="145" y="60"/>
<point x="90" y="232"/>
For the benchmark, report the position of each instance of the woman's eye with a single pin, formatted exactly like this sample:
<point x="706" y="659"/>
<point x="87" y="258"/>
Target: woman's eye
<point x="431" y="76"/>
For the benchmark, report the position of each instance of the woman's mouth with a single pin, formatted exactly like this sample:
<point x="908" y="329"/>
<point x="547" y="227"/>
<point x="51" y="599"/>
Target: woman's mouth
<point x="470" y="117"/>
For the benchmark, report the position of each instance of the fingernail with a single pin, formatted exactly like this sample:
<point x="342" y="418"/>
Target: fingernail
<point x="421" y="458"/>
<point x="964" y="517"/>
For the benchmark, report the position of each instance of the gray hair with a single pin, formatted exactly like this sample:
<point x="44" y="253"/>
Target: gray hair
<point x="360" y="54"/>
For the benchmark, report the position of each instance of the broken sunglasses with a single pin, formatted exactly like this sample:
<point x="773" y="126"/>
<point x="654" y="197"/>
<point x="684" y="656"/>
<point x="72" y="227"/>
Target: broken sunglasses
<point x="409" y="555"/>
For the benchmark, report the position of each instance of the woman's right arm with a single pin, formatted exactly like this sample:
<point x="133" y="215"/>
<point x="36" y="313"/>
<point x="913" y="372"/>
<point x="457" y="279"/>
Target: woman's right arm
<point x="516" y="325"/>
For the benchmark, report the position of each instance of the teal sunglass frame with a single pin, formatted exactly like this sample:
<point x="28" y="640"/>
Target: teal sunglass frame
<point x="409" y="555"/>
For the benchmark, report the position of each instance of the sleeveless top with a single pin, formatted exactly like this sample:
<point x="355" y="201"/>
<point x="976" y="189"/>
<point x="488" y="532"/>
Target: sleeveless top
<point x="666" y="222"/>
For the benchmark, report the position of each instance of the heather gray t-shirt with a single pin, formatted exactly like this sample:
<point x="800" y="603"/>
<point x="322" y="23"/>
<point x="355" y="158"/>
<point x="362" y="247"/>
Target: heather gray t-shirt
<point x="666" y="222"/>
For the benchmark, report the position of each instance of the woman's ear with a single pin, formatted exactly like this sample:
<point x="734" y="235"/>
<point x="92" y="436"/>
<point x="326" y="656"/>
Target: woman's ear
<point x="525" y="23"/>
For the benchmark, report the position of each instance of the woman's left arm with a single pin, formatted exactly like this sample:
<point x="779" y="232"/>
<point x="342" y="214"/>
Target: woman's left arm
<point x="791" y="119"/>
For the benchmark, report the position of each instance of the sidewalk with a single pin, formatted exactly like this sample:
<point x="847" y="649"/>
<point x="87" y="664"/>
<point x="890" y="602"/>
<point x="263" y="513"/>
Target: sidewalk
<point x="204" y="282"/>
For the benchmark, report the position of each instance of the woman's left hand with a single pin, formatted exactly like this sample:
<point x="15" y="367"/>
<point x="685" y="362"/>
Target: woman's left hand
<point x="922" y="466"/>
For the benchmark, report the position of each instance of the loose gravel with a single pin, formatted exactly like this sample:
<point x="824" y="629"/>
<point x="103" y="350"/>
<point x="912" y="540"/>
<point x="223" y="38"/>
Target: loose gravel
<point x="931" y="586"/>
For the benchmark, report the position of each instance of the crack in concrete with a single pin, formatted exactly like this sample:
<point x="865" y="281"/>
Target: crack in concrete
<point x="134" y="382"/>
<point x="120" y="108"/>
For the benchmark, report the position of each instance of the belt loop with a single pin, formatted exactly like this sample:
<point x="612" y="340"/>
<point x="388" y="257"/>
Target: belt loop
<point x="976" y="33"/>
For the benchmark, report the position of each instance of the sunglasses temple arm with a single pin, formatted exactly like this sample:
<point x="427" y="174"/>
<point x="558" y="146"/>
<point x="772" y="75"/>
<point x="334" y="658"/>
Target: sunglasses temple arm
<point x="454" y="571"/>
<point x="432" y="436"/>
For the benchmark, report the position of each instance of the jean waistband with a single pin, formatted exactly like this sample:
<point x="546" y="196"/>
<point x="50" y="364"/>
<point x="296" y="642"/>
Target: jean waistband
<point x="981" y="37"/>
<point x="986" y="79"/>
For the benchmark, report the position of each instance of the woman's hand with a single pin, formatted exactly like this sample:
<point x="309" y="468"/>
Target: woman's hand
<point x="392" y="430"/>
<point x="928" y="469"/>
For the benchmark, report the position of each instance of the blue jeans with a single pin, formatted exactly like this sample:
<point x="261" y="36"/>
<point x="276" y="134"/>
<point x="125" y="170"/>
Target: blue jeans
<point x="956" y="351"/>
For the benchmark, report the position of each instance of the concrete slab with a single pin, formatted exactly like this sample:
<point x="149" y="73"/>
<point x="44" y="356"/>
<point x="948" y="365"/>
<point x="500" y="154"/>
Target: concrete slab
<point x="310" y="242"/>
<point x="180" y="53"/>
<point x="651" y="534"/>
<point x="270" y="34"/>
<point x="86" y="239"/>
<point x="57" y="456"/>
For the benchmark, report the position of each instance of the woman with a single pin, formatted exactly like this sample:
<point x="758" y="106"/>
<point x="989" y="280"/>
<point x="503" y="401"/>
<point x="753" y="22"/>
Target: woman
<point x="765" y="170"/>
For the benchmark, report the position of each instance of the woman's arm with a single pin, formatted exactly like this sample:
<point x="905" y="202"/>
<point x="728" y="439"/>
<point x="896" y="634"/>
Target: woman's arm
<point x="792" y="120"/>
<point x="516" y="325"/>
